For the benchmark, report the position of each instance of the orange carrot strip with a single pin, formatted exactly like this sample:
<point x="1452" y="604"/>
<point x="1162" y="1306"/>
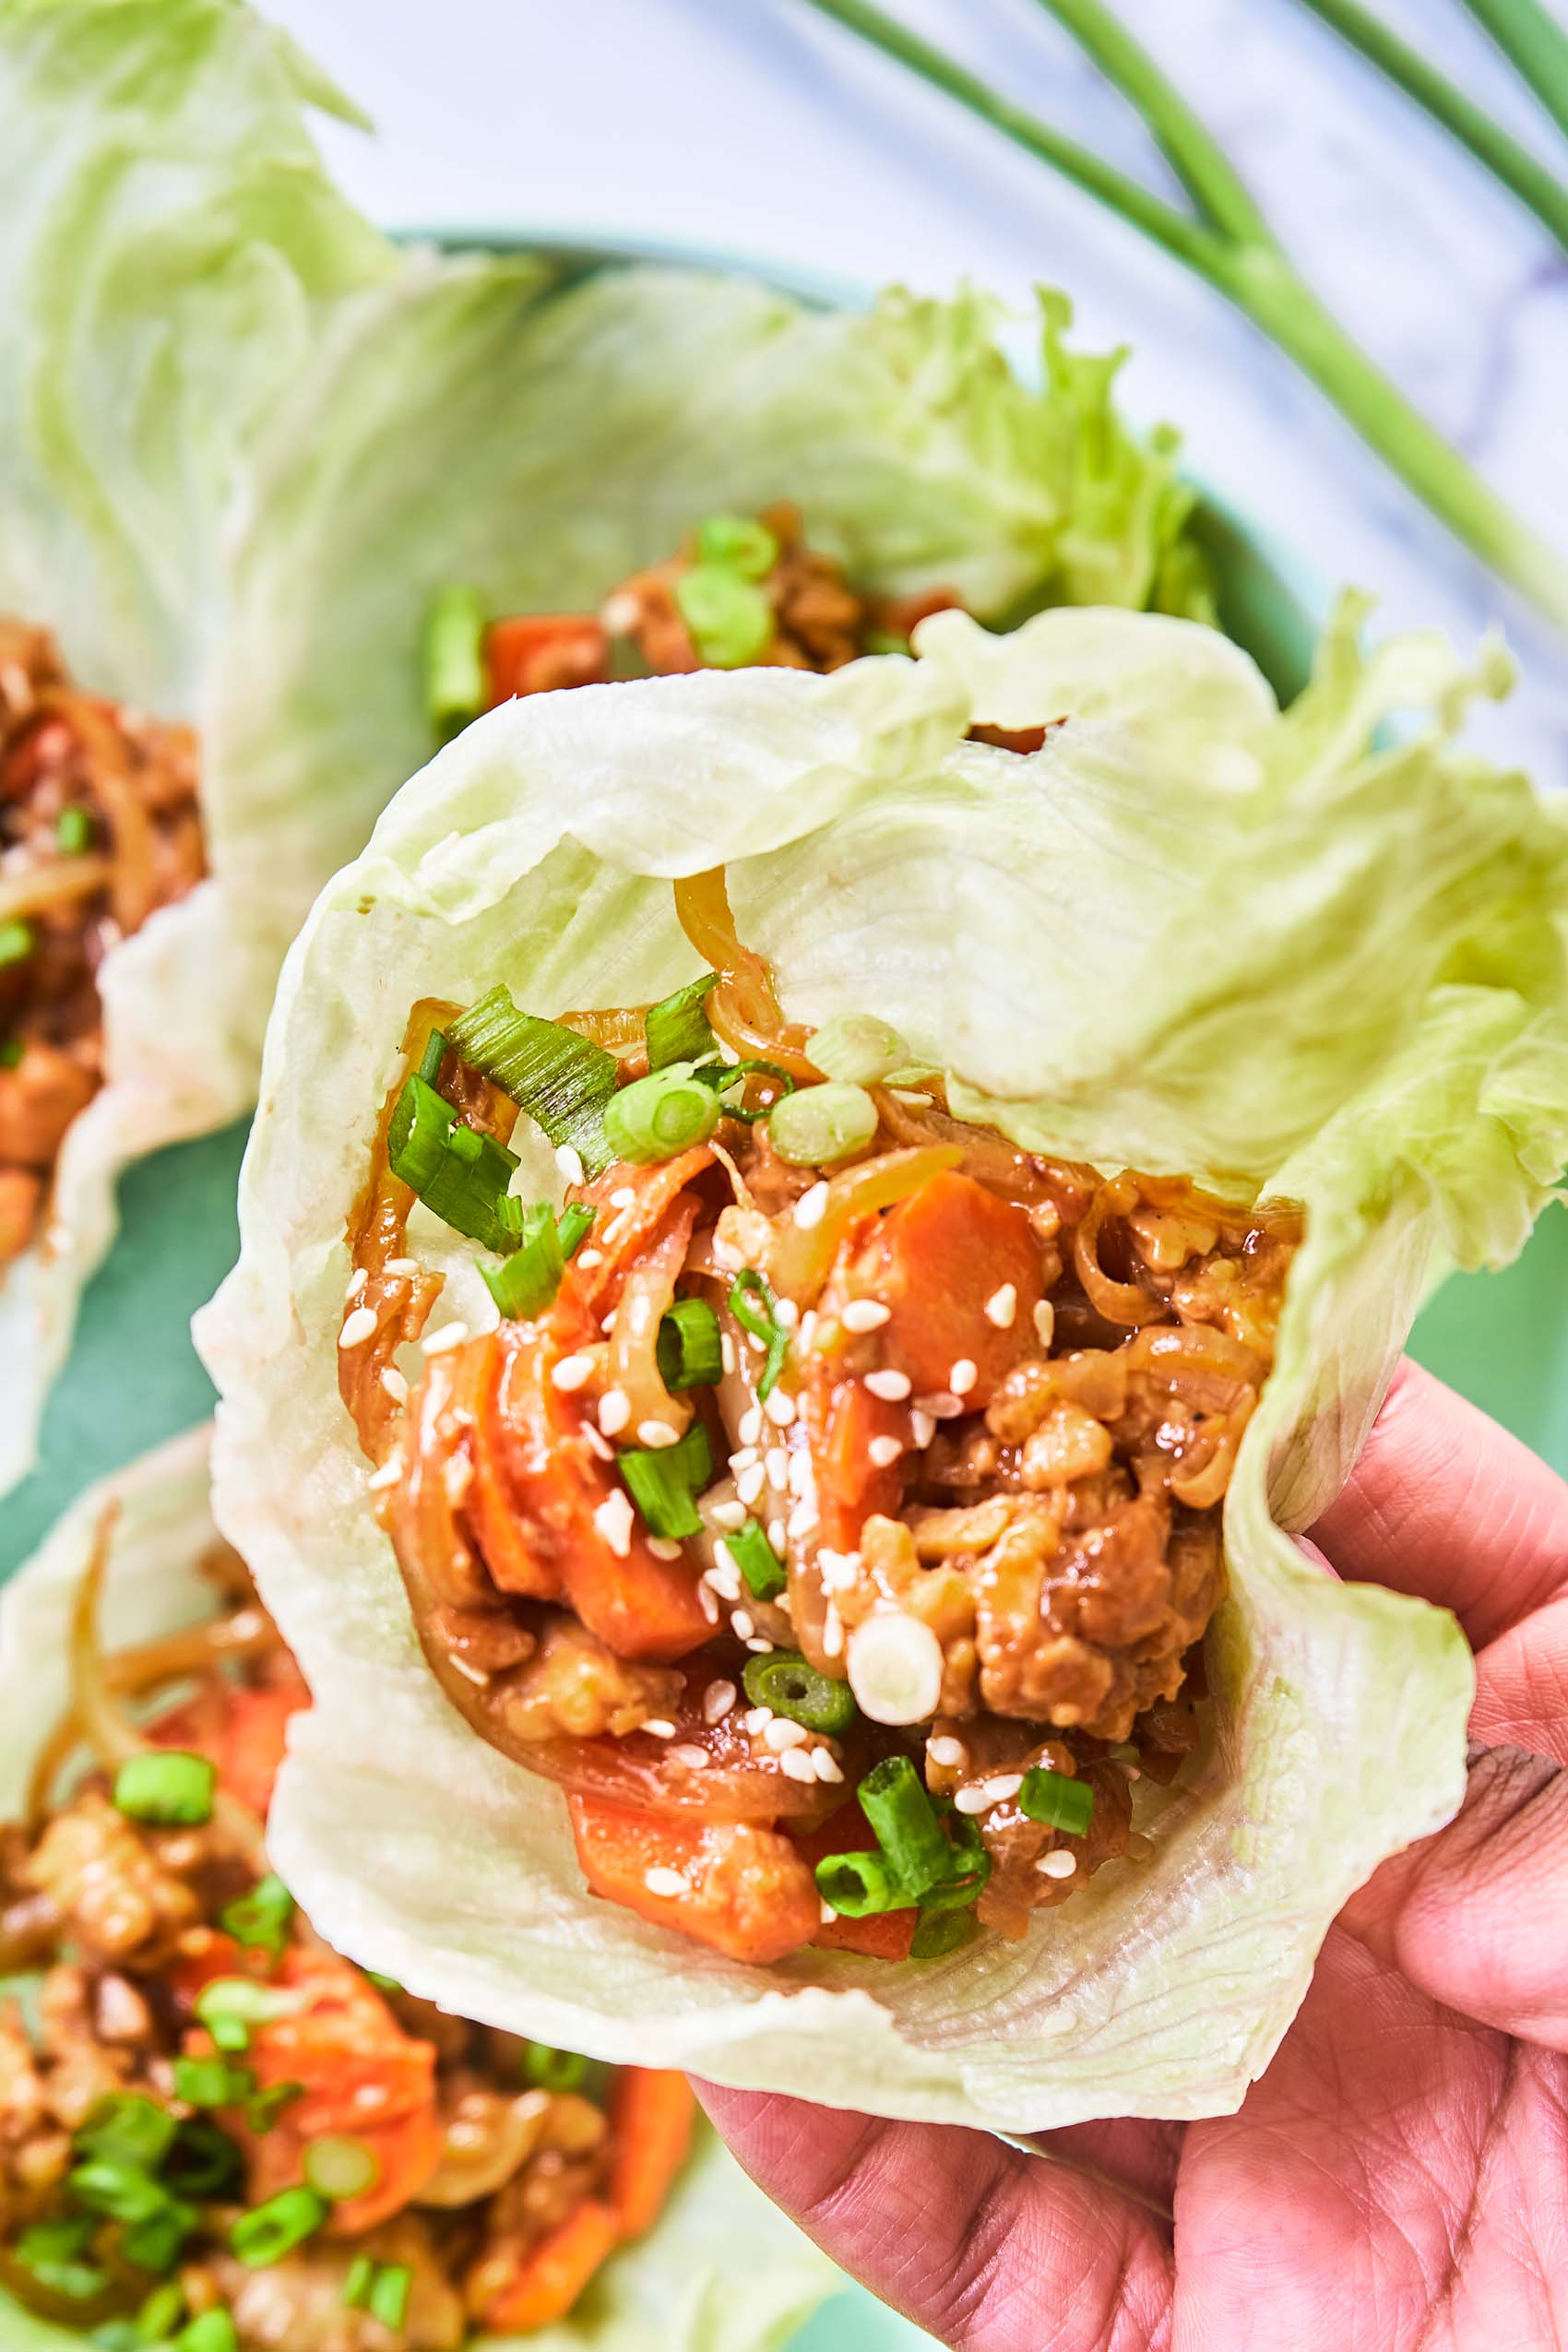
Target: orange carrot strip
<point x="549" y="2277"/>
<point x="652" y="2114"/>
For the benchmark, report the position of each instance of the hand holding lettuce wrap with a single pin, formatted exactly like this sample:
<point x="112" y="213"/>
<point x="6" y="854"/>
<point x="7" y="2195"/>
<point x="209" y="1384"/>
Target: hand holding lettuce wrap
<point x="1311" y="986"/>
<point x="217" y="2135"/>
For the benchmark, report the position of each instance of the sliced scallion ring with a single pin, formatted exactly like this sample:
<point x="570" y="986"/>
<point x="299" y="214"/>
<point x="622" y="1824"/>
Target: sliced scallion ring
<point x="785" y="1682"/>
<point x="817" y="1125"/>
<point x="858" y="1047"/>
<point x="762" y="1322"/>
<point x="860" y="1886"/>
<point x="689" y="1349"/>
<point x="659" y="1116"/>
<point x="893" y="1799"/>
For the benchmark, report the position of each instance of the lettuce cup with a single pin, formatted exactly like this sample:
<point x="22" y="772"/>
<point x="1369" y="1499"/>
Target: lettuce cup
<point x="221" y="2136"/>
<point x="1163" y="1064"/>
<point x="300" y="494"/>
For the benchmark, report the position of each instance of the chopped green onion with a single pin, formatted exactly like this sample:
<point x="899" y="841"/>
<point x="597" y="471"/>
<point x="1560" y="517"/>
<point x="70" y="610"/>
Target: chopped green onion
<point x="729" y="619"/>
<point x="724" y="1075"/>
<point x="211" y="2082"/>
<point x="858" y="1047"/>
<point x="786" y="1683"/>
<point x="737" y="543"/>
<point x="17" y="941"/>
<point x="432" y="1057"/>
<point x="968" y="1868"/>
<point x="161" y="2312"/>
<point x="338" y="2169"/>
<point x="573" y="1226"/>
<point x="816" y="1125"/>
<point x="762" y="1322"/>
<point x="461" y="1176"/>
<point x="77" y="2282"/>
<point x="157" y="2243"/>
<point x="267" y="2232"/>
<point x="122" y="2192"/>
<point x="938" y="1932"/>
<point x="389" y="2294"/>
<point x="528" y="1282"/>
<point x="361" y="2278"/>
<point x="204" y="2161"/>
<point x="166" y="1787"/>
<point x="260" y="1919"/>
<point x="858" y="1886"/>
<point x="73" y="831"/>
<point x="662" y="1481"/>
<point x="126" y="2129"/>
<point x="381" y="1984"/>
<point x="11" y="1052"/>
<point x="658" y="1116"/>
<point x="554" y="2070"/>
<point x="894" y="1799"/>
<point x="689" y="1349"/>
<point x="885" y="641"/>
<point x="213" y="2332"/>
<point x="53" y="2242"/>
<point x="562" y="1080"/>
<point x="229" y="2007"/>
<point x="455" y="687"/>
<point x="264" y="2108"/>
<point x="677" y="1027"/>
<point x="765" y="1572"/>
<point x="1060" y="1802"/>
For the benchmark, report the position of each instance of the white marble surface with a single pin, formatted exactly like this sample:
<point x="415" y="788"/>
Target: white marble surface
<point x="756" y="125"/>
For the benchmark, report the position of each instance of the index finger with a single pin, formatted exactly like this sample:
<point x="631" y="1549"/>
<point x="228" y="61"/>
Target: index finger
<point x="1445" y="1504"/>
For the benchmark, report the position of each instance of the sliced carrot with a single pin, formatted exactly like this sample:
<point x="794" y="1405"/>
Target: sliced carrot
<point x="556" y="1486"/>
<point x="937" y="1260"/>
<point x="652" y="2115"/>
<point x="841" y="1420"/>
<point x="254" y="1734"/>
<point x="886" y="1935"/>
<point x="531" y="653"/>
<point x="548" y="2279"/>
<point x="746" y="1891"/>
<point x="621" y="1232"/>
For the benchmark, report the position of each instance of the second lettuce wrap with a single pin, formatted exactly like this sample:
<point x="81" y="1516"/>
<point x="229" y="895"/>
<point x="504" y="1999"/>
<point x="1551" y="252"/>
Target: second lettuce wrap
<point x="1273" y="952"/>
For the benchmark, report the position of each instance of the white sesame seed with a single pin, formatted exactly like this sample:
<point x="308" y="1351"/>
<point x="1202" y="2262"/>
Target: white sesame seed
<point x="358" y="1326"/>
<point x="963" y="1376"/>
<point x="620" y="613"/>
<point x="726" y="1254"/>
<point x="776" y="1464"/>
<point x="759" y="1644"/>
<point x="708" y="1601"/>
<point x="727" y="1352"/>
<point x="658" y="1727"/>
<point x="357" y="1281"/>
<point x="778" y="1534"/>
<point x="664" y="1546"/>
<point x="470" y="1673"/>
<point x="826" y="1765"/>
<point x="1002" y="1785"/>
<point x="623" y="1198"/>
<point x="728" y="1515"/>
<point x="892" y="1387"/>
<point x="569" y="1160"/>
<point x="749" y="1483"/>
<point x="588" y="1259"/>
<point x="743" y="1459"/>
<point x="405" y="1267"/>
<point x="972" y="1801"/>
<point x="744" y="1625"/>
<point x="607" y="1322"/>
<point x="571" y="1373"/>
<point x="660" y="1881"/>
<point x="1132" y="1771"/>
<point x="1045" y="1323"/>
<point x="795" y="1766"/>
<point x="832" y="1631"/>
<point x="840" y="1571"/>
<point x="395" y="1384"/>
<point x="594" y="1443"/>
<point x="779" y="1408"/>
<point x="657" y="1434"/>
<point x="941" y="1405"/>
<point x="614" y="1411"/>
<point x="614" y="1520"/>
<point x="435" y="1343"/>
<point x="716" y="1701"/>
<point x="864" y="1315"/>
<point x="783" y="1733"/>
<point x="724" y="1577"/>
<point x="786" y="1314"/>
<point x="689" y="1756"/>
<point x="811" y="1207"/>
<point x="884" y="1452"/>
<point x="756" y="1719"/>
<point x="391" y="1470"/>
<point x="802" y="1479"/>
<point x="750" y="1429"/>
<point x="1001" y="1306"/>
<point x="826" y="1914"/>
<point x="922" y="1428"/>
<point x="1058" y="1863"/>
<point x="802" y="1522"/>
<point x="947" y="1752"/>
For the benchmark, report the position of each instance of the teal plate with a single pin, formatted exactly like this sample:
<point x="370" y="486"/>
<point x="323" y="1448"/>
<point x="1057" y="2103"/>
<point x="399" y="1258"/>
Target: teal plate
<point x="133" y="1378"/>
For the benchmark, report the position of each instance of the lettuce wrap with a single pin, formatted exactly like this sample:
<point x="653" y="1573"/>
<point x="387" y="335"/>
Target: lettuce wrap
<point x="719" y="2272"/>
<point x="1288" y="954"/>
<point x="244" y="438"/>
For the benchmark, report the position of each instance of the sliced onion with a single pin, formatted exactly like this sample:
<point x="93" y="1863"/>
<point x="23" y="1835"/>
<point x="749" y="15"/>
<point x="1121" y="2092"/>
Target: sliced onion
<point x="744" y="1009"/>
<point x="488" y="2140"/>
<point x="1119" y="1302"/>
<point x="645" y="1294"/>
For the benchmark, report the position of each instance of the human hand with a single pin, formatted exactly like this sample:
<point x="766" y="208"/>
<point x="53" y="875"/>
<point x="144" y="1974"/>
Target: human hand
<point x="1398" y="2178"/>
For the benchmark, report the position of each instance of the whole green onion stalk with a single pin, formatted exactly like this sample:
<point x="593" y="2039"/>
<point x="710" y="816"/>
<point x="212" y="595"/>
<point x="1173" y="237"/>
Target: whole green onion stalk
<point x="1227" y="242"/>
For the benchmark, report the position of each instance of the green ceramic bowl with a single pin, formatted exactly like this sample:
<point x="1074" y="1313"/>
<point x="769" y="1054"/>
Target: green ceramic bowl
<point x="133" y="1379"/>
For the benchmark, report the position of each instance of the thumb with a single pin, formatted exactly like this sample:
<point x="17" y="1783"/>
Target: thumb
<point x="1475" y="1916"/>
